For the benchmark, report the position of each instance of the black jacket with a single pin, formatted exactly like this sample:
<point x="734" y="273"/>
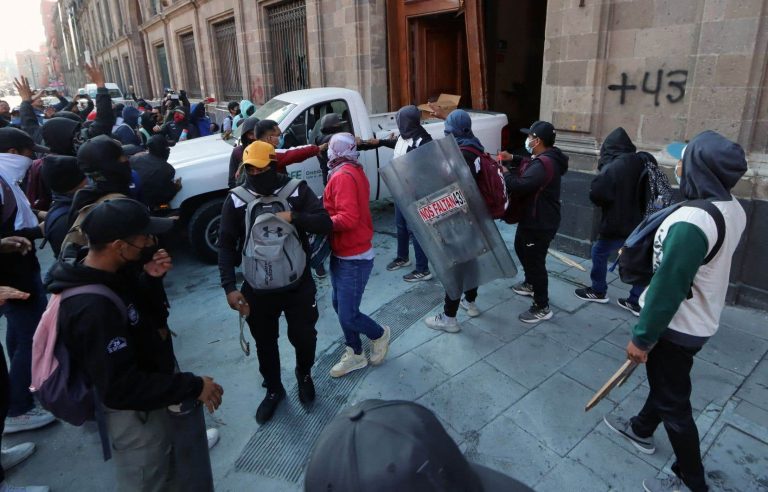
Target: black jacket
<point x="56" y="225"/>
<point x="156" y="177"/>
<point x="308" y="216"/>
<point x="617" y="189"/>
<point x="173" y="130"/>
<point x="542" y="212"/>
<point x="131" y="363"/>
<point x="17" y="270"/>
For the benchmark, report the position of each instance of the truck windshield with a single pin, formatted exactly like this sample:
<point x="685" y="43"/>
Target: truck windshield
<point x="275" y="110"/>
<point x="113" y="93"/>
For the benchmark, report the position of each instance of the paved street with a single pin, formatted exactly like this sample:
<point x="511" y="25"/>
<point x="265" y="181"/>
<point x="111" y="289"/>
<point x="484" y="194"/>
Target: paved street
<point x="512" y="395"/>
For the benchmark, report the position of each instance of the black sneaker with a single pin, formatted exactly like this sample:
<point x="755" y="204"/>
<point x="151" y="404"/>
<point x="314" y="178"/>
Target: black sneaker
<point x="268" y="406"/>
<point x="589" y="294"/>
<point x="306" y="387"/>
<point x="523" y="289"/>
<point x="320" y="271"/>
<point x="629" y="306"/>
<point x="415" y="276"/>
<point x="623" y="428"/>
<point x="398" y="263"/>
<point x="535" y="314"/>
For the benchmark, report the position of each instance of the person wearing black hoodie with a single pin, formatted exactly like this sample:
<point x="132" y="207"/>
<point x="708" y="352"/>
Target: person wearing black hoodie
<point x="537" y="186"/>
<point x="618" y="191"/>
<point x="125" y="348"/>
<point x="247" y="137"/>
<point x="62" y="175"/>
<point x="412" y="135"/>
<point x="691" y="260"/>
<point x="155" y="174"/>
<point x="179" y="128"/>
<point x="263" y="309"/>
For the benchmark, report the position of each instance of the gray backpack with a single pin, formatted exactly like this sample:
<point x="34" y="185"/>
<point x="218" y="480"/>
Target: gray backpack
<point x="273" y="257"/>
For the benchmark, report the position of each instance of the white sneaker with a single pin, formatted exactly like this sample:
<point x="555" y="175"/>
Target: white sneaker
<point x="443" y="322"/>
<point x="213" y="437"/>
<point x="349" y="362"/>
<point x="14" y="455"/>
<point x="34" y="419"/>
<point x="5" y="487"/>
<point x="470" y="308"/>
<point x="380" y="347"/>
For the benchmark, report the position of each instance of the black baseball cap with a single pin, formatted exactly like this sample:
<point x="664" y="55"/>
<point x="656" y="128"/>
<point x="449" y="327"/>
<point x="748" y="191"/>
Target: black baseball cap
<point x="381" y="446"/>
<point x="120" y="219"/>
<point x="13" y="138"/>
<point x="543" y="130"/>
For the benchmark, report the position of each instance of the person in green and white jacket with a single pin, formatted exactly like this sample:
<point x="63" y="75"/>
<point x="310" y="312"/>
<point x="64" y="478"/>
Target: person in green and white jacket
<point x="682" y="305"/>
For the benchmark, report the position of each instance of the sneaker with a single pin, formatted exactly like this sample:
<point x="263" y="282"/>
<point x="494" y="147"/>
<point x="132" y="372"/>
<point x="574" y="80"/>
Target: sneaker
<point x="588" y="294"/>
<point x="535" y="314"/>
<point x="523" y="289"/>
<point x="398" y="263"/>
<point x="306" y="387"/>
<point x="443" y="322"/>
<point x="213" y="437"/>
<point x="349" y="362"/>
<point x="415" y="276"/>
<point x="669" y="484"/>
<point x="16" y="454"/>
<point x="623" y="428"/>
<point x="470" y="308"/>
<point x="268" y="406"/>
<point x="629" y="306"/>
<point x="34" y="419"/>
<point x="320" y="271"/>
<point x="5" y="487"/>
<point x="380" y="347"/>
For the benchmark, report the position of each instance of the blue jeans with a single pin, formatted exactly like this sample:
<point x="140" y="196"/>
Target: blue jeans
<point x="601" y="250"/>
<point x="348" y="279"/>
<point x="404" y="235"/>
<point x="22" y="317"/>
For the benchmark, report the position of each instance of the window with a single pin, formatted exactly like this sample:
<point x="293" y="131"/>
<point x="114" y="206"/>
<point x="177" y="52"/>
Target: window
<point x="127" y="71"/>
<point x="288" y="32"/>
<point x="118" y="74"/>
<point x="305" y="129"/>
<point x="275" y="110"/>
<point x="228" y="75"/>
<point x="162" y="62"/>
<point x="189" y="62"/>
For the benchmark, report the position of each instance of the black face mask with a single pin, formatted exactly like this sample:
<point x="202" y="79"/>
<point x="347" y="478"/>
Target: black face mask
<point x="145" y="254"/>
<point x="263" y="183"/>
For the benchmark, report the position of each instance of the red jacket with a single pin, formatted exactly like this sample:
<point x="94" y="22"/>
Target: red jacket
<point x="286" y="157"/>
<point x="346" y="200"/>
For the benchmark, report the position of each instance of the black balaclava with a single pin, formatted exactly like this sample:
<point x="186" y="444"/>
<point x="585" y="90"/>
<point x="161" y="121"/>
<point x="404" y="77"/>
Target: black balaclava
<point x="712" y="166"/>
<point x="99" y="159"/>
<point x="68" y="114"/>
<point x="61" y="135"/>
<point x="265" y="182"/>
<point x="147" y="121"/>
<point x="158" y="146"/>
<point x="616" y="143"/>
<point x="248" y="125"/>
<point x="408" y="119"/>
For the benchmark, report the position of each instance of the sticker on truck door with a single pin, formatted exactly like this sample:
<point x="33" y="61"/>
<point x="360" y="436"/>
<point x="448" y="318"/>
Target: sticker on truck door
<point x="443" y="204"/>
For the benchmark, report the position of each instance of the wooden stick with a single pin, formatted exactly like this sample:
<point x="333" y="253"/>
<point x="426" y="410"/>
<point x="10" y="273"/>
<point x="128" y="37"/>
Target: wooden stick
<point x="618" y="377"/>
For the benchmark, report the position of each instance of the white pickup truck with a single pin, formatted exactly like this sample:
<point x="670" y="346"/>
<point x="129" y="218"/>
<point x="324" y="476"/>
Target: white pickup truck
<point x="203" y="163"/>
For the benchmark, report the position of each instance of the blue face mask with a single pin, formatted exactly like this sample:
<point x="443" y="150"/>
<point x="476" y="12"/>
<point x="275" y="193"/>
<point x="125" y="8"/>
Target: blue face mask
<point x="528" y="146"/>
<point x="281" y="141"/>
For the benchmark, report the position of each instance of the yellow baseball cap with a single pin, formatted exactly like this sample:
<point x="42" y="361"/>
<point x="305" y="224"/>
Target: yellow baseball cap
<point x="259" y="154"/>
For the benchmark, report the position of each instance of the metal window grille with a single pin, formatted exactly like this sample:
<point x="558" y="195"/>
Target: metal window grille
<point x="189" y="57"/>
<point x="228" y="75"/>
<point x="118" y="74"/>
<point x="288" y="32"/>
<point x="162" y="62"/>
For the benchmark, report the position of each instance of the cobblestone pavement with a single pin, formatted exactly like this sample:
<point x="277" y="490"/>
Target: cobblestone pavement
<point x="512" y="395"/>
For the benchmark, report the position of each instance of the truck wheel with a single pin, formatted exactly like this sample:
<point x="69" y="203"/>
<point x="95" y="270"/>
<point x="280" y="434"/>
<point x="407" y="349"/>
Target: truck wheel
<point x="203" y="230"/>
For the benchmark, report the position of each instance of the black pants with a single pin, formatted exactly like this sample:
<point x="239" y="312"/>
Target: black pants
<point x="669" y="402"/>
<point x="531" y="247"/>
<point x="5" y="396"/>
<point x="301" y="313"/>
<point x="451" y="306"/>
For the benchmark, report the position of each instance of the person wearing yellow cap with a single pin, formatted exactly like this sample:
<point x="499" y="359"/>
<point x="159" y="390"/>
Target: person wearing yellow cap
<point x="267" y="220"/>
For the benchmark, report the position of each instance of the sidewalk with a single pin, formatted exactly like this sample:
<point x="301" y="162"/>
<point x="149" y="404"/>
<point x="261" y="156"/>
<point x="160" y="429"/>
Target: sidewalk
<point x="511" y="394"/>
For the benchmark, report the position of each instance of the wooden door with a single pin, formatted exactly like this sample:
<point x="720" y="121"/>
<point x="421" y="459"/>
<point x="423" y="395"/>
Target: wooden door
<point x="439" y="58"/>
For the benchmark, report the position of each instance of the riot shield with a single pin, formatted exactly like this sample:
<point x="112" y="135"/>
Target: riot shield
<point x="441" y="202"/>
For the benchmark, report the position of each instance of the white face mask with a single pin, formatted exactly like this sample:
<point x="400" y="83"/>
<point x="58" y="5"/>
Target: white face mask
<point x="678" y="175"/>
<point x="528" y="146"/>
<point x="16" y="166"/>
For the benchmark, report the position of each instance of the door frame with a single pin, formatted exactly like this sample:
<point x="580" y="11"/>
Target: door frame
<point x="399" y="13"/>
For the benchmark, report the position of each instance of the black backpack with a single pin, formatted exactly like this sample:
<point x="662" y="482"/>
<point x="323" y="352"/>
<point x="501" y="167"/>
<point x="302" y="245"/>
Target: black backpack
<point x="655" y="193"/>
<point x="635" y="259"/>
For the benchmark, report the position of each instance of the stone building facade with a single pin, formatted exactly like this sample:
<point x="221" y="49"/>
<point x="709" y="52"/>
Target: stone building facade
<point x="662" y="69"/>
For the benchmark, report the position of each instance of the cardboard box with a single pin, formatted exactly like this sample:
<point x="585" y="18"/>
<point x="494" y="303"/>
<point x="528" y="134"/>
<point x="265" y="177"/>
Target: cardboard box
<point x="447" y="102"/>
